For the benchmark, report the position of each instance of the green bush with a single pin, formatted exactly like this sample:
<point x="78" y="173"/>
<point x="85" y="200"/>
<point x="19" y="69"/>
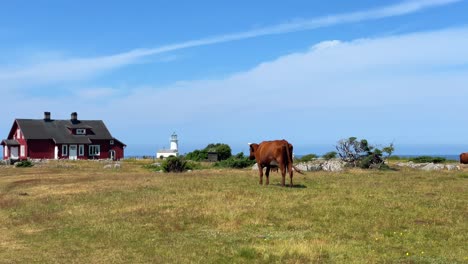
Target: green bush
<point x="307" y="158"/>
<point x="329" y="155"/>
<point x="223" y="150"/>
<point x="174" y="164"/>
<point x="427" y="159"/>
<point x="237" y="162"/>
<point x="24" y="164"/>
<point x="190" y="165"/>
<point x="153" y="167"/>
<point x="197" y="155"/>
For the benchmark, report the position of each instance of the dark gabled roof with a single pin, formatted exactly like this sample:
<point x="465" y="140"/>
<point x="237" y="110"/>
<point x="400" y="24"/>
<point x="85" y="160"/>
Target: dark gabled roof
<point x="10" y="142"/>
<point x="59" y="130"/>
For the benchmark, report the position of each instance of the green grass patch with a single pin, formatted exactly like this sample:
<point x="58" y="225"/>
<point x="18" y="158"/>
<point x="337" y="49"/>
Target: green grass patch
<point x="133" y="215"/>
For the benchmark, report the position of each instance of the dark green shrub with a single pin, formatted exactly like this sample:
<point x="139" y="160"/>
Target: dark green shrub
<point x="237" y="162"/>
<point x="330" y="155"/>
<point x="197" y="155"/>
<point x="427" y="159"/>
<point x="223" y="151"/>
<point x="24" y="164"/>
<point x="307" y="158"/>
<point x="174" y="164"/>
<point x="190" y="165"/>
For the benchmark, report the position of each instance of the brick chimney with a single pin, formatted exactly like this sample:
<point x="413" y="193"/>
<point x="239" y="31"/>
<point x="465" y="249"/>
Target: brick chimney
<point x="46" y="116"/>
<point x="74" y="117"/>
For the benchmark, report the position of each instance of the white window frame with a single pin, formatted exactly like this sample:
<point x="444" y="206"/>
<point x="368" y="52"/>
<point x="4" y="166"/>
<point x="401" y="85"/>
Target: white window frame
<point x="94" y="150"/>
<point x="18" y="133"/>
<point x="111" y="142"/>
<point x="64" y="150"/>
<point x="81" y="150"/>
<point x="81" y="131"/>
<point x="22" y="151"/>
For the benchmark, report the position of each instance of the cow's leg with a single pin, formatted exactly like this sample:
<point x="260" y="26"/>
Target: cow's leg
<point x="267" y="174"/>
<point x="290" y="170"/>
<point x="283" y="173"/>
<point x="260" y="173"/>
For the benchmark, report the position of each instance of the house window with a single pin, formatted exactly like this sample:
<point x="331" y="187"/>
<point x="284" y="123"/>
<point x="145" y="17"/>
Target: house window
<point x="18" y="133"/>
<point x="64" y="150"/>
<point x="111" y="142"/>
<point x="81" y="150"/>
<point x="81" y="131"/>
<point x="94" y="150"/>
<point x="22" y="151"/>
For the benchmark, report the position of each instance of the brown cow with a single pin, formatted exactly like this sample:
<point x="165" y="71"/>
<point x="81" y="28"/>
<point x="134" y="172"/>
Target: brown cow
<point x="270" y="154"/>
<point x="464" y="158"/>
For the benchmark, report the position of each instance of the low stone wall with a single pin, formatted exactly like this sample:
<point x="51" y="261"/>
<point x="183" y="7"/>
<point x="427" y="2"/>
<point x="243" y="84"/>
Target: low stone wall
<point x="429" y="166"/>
<point x="333" y="165"/>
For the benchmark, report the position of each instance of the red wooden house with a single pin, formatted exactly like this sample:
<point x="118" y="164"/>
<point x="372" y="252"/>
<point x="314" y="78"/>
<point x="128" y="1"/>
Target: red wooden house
<point x="61" y="139"/>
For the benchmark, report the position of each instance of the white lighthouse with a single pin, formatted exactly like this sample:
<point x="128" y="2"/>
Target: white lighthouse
<point x="174" y="142"/>
<point x="172" y="151"/>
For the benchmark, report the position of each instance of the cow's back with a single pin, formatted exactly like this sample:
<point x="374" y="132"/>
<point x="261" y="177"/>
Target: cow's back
<point x="268" y="151"/>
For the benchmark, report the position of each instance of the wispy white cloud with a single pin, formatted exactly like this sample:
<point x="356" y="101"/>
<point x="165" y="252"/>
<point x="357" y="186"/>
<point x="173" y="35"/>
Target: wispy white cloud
<point x="392" y="87"/>
<point x="79" y="68"/>
<point x="406" y="88"/>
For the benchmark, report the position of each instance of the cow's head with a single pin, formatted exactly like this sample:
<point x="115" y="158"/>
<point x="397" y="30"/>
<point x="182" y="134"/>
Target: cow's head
<point x="253" y="148"/>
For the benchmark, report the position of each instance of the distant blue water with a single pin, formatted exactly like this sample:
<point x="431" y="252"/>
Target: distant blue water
<point x="448" y="157"/>
<point x="450" y="152"/>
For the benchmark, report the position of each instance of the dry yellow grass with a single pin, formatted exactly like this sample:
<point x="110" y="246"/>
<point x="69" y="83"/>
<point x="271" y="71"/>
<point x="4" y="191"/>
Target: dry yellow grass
<point x="78" y="212"/>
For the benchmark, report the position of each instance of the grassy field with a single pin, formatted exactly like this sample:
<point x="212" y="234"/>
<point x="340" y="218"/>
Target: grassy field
<point x="77" y="212"/>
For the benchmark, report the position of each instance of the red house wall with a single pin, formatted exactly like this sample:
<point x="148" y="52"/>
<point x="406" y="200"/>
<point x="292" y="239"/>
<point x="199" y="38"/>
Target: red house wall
<point x="20" y="138"/>
<point x="41" y="149"/>
<point x="106" y="147"/>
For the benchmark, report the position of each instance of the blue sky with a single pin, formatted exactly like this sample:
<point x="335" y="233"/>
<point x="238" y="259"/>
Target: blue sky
<point x="312" y="72"/>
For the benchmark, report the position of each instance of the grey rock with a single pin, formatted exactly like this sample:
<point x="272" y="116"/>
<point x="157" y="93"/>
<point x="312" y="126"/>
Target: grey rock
<point x="451" y="167"/>
<point x="302" y="166"/>
<point x="433" y="167"/>
<point x="333" y="165"/>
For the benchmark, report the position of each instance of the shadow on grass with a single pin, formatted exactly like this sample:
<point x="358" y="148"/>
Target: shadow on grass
<point x="298" y="186"/>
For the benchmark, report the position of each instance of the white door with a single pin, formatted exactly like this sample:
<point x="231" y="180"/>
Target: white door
<point x="73" y="152"/>
<point x="56" y="152"/>
<point x="14" y="153"/>
<point x="112" y="154"/>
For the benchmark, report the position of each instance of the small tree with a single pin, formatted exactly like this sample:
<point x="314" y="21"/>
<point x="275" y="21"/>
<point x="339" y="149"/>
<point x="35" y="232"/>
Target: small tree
<point x="360" y="153"/>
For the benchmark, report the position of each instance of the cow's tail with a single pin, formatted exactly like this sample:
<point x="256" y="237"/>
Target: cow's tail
<point x="289" y="160"/>
<point x="286" y="159"/>
<point x="298" y="170"/>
